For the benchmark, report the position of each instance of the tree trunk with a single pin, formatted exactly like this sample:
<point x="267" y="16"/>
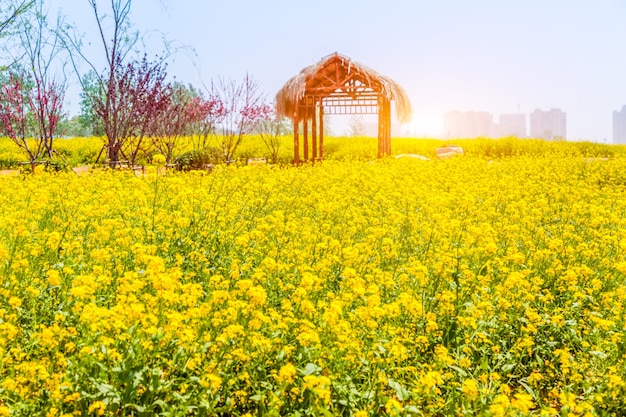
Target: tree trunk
<point x="113" y="154"/>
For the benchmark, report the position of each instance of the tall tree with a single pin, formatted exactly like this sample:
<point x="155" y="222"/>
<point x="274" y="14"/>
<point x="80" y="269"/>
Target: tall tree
<point x="41" y="59"/>
<point x="32" y="94"/>
<point x="117" y="41"/>
<point x="128" y="93"/>
<point x="10" y="10"/>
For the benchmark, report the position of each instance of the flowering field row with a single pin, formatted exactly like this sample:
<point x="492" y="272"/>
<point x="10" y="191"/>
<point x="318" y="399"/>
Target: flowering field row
<point x="85" y="151"/>
<point x="395" y="287"/>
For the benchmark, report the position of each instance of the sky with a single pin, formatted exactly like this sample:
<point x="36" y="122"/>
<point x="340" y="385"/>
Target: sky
<point x="482" y="55"/>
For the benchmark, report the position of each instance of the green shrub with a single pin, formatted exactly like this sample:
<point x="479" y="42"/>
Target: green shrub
<point x="198" y="159"/>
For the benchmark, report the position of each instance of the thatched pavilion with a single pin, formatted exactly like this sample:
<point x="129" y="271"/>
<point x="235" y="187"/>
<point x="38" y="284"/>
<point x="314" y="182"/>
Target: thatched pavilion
<point x="338" y="85"/>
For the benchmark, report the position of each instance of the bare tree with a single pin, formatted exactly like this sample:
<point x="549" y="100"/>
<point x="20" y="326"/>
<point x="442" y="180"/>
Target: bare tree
<point x="41" y="56"/>
<point x="32" y="99"/>
<point x="270" y="129"/>
<point x="10" y="11"/>
<point x="244" y="108"/>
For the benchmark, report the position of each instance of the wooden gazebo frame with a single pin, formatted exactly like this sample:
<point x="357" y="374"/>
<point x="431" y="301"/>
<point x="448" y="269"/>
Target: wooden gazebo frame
<point x="338" y="85"/>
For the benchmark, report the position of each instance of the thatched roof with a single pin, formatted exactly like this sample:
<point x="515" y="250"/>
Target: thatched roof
<point x="338" y="72"/>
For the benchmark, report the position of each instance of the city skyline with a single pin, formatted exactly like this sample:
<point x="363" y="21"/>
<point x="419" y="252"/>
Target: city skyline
<point x="507" y="125"/>
<point x="546" y="124"/>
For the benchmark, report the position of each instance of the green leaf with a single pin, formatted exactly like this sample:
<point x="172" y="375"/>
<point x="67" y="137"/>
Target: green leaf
<point x="257" y="398"/>
<point x="310" y="369"/>
<point x="137" y="407"/>
<point x="599" y="354"/>
<point x="528" y="389"/>
<point x="508" y="367"/>
<point x="105" y="388"/>
<point x="401" y="392"/>
<point x="461" y="371"/>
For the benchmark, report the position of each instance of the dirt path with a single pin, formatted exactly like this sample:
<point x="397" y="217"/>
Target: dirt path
<point x="9" y="172"/>
<point x="83" y="169"/>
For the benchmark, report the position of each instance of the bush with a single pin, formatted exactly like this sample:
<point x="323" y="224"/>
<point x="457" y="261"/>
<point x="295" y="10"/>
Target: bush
<point x="198" y="159"/>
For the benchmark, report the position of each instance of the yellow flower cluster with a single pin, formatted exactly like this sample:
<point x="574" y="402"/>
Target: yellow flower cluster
<point x="395" y="287"/>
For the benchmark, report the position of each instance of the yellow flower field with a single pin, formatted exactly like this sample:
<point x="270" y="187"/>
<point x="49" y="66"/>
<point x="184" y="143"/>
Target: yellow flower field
<point x="465" y="286"/>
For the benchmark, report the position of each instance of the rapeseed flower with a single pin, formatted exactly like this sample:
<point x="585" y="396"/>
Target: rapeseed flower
<point x="308" y="289"/>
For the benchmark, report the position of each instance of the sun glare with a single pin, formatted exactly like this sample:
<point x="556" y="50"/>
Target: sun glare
<point x="425" y="125"/>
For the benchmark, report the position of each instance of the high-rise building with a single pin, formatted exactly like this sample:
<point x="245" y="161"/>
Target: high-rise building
<point x="469" y="124"/>
<point x="511" y="125"/>
<point x="548" y="124"/>
<point x="619" y="126"/>
<point x="453" y="123"/>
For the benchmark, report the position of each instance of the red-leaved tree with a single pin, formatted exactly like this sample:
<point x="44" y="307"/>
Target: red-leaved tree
<point x="46" y="104"/>
<point x="126" y="95"/>
<point x="127" y="104"/>
<point x="149" y="98"/>
<point x="185" y="111"/>
<point x="29" y="114"/>
<point x="16" y="114"/>
<point x="206" y="115"/>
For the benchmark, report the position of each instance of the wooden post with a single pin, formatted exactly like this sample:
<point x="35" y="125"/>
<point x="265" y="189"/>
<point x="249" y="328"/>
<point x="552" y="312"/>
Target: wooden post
<point x="296" y="139"/>
<point x="321" y="130"/>
<point x="305" y="134"/>
<point x="381" y="127"/>
<point x="314" y="131"/>
<point x="387" y="127"/>
<point x="384" y="127"/>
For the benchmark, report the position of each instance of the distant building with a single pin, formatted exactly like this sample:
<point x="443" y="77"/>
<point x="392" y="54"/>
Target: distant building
<point x="511" y="125"/>
<point x="469" y="124"/>
<point x="548" y="124"/>
<point x="619" y="126"/>
<point x="454" y="124"/>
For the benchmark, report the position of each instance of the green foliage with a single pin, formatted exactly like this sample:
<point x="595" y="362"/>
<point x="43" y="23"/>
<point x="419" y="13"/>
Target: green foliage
<point x="84" y="150"/>
<point x="198" y="159"/>
<point x="88" y="120"/>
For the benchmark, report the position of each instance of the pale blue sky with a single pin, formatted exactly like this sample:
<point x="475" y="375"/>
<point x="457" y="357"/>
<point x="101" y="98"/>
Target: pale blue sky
<point x="495" y="56"/>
